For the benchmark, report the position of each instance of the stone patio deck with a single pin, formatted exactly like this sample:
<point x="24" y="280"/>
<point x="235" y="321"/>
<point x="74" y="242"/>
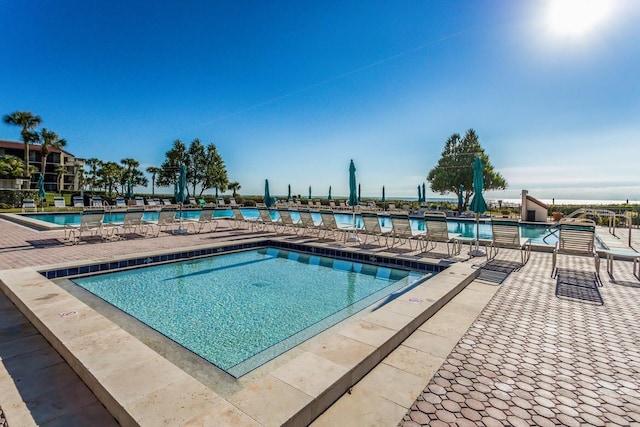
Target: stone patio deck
<point x="528" y="358"/>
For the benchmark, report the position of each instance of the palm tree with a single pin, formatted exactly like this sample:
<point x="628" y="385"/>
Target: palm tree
<point x="49" y="139"/>
<point x="28" y="122"/>
<point x="61" y="171"/>
<point x="154" y="171"/>
<point x="234" y="186"/>
<point x="93" y="165"/>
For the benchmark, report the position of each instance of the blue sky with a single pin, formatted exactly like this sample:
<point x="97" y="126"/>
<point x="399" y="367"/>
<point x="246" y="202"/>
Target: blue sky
<point x="292" y="90"/>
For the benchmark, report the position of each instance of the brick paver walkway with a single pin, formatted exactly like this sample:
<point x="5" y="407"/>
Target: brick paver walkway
<point x="529" y="359"/>
<point x="532" y="358"/>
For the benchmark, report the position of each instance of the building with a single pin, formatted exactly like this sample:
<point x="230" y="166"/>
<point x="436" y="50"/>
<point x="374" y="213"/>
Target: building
<point x="54" y="180"/>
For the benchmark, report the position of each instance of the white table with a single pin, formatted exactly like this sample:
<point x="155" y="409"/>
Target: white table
<point x="623" y="254"/>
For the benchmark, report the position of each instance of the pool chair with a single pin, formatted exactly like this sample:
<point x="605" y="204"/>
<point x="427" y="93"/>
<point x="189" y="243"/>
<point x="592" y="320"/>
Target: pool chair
<point x="265" y="220"/>
<point x="166" y="202"/>
<point x="78" y="202"/>
<point x="152" y="202"/>
<point x="330" y="226"/>
<point x="138" y="201"/>
<point x="436" y="230"/>
<point x="120" y="202"/>
<point x="401" y="231"/>
<point x="287" y="223"/>
<point x="90" y="224"/>
<point x="233" y="203"/>
<point x="59" y="203"/>
<point x="29" y="204"/>
<point x="221" y="203"/>
<point x="307" y="223"/>
<point x="371" y="228"/>
<point x="237" y="220"/>
<point x="506" y="234"/>
<point x="132" y="221"/>
<point x="166" y="220"/>
<point x="96" y="202"/>
<point x="576" y="237"/>
<point x="205" y="219"/>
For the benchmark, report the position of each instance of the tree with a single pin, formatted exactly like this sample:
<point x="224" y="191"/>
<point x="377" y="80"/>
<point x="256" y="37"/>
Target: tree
<point x="205" y="167"/>
<point x="235" y="186"/>
<point x="61" y="172"/>
<point x="11" y="166"/>
<point x="154" y="171"/>
<point x="28" y="122"/>
<point x="109" y="175"/>
<point x="93" y="164"/>
<point x="130" y="172"/>
<point x="454" y="168"/>
<point x="49" y="139"/>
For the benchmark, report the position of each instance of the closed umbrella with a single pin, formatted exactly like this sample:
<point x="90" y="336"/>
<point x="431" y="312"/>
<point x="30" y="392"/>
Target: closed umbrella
<point x="383" y="200"/>
<point x="41" y="193"/>
<point x="267" y="197"/>
<point x="129" y="189"/>
<point x="309" y="192"/>
<point x="478" y="204"/>
<point x="419" y="195"/>
<point x="180" y="194"/>
<point x="359" y="195"/>
<point x="460" y="197"/>
<point x="329" y="198"/>
<point x="424" y="192"/>
<point x="353" y="197"/>
<point x="289" y="192"/>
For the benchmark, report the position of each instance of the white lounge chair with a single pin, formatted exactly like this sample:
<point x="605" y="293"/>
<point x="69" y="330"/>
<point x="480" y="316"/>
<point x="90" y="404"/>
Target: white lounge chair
<point x="96" y="202"/>
<point x="205" y="219"/>
<point x="308" y="225"/>
<point x="371" y="227"/>
<point x="437" y="230"/>
<point x="78" y="202"/>
<point x="233" y="203"/>
<point x="401" y="230"/>
<point x="576" y="237"/>
<point x="506" y="234"/>
<point x="29" y="204"/>
<point x="329" y="225"/>
<point x="59" y="203"/>
<point x="287" y="222"/>
<point x="166" y="220"/>
<point x="266" y="220"/>
<point x="132" y="221"/>
<point x="90" y="223"/>
<point x="221" y="203"/>
<point x="138" y="201"/>
<point x="121" y="202"/>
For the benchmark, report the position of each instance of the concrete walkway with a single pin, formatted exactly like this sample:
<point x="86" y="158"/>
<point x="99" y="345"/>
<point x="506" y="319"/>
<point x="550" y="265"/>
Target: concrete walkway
<point x="528" y="358"/>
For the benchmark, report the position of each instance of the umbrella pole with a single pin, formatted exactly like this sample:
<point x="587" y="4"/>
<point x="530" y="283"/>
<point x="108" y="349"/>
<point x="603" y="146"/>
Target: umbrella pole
<point x="477" y="251"/>
<point x="180" y="229"/>
<point x="354" y="234"/>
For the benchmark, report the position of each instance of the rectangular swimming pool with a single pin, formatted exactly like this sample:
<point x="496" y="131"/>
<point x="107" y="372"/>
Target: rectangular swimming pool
<point x="242" y="309"/>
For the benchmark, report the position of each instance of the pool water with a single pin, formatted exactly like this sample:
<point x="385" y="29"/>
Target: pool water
<point x="538" y="234"/>
<point x="240" y="310"/>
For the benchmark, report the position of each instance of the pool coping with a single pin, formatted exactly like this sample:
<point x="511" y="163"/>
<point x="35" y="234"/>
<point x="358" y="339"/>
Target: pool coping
<point x="138" y="386"/>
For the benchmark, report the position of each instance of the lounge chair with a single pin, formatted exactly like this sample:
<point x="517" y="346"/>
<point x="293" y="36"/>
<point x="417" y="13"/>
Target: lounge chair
<point x="192" y="201"/>
<point x="371" y="227"/>
<point x="132" y="221"/>
<point x="78" y="202"/>
<point x="506" y="234"/>
<point x="29" y="204"/>
<point x="329" y="225"/>
<point x="120" y="202"/>
<point x="139" y="201"/>
<point x="221" y="203"/>
<point x="96" y="202"/>
<point x="576" y="237"/>
<point x="166" y="202"/>
<point x="237" y="220"/>
<point x="233" y="203"/>
<point x="307" y="223"/>
<point x="266" y="219"/>
<point x="166" y="219"/>
<point x="401" y="230"/>
<point x="90" y="222"/>
<point x="287" y="222"/>
<point x="436" y="230"/>
<point x="152" y="202"/>
<point x="205" y="218"/>
<point x="59" y="203"/>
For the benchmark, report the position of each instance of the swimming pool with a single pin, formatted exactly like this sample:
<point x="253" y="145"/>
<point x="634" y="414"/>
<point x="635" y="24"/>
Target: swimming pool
<point x="538" y="234"/>
<point x="240" y="310"/>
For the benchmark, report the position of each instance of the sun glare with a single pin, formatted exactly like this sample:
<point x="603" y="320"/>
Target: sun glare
<point x="577" y="17"/>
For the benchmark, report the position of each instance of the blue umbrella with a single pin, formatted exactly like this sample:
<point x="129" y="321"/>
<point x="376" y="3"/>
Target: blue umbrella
<point x="329" y="198"/>
<point x="267" y="197"/>
<point x="383" y="200"/>
<point x="419" y="195"/>
<point x="216" y="192"/>
<point x="478" y="205"/>
<point x="359" y="194"/>
<point x="41" y="193"/>
<point x="424" y="192"/>
<point x="309" y="192"/>
<point x="460" y="197"/>
<point x="289" y="192"/>
<point x="353" y="197"/>
<point x="129" y="189"/>
<point x="181" y="187"/>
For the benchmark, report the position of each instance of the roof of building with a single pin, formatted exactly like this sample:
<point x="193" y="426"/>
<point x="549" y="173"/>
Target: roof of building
<point x="17" y="145"/>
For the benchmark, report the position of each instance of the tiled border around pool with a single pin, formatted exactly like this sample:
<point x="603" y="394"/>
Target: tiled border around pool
<point x="140" y="387"/>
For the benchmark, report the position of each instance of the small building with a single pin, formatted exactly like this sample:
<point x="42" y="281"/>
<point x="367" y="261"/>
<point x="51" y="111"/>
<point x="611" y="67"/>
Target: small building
<point x="55" y="179"/>
<point x="533" y="210"/>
